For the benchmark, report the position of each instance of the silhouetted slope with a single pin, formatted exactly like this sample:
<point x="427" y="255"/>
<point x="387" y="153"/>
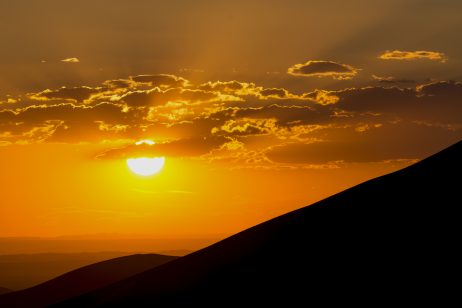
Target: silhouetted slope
<point x="22" y="271"/>
<point x="391" y="240"/>
<point x="4" y="290"/>
<point x="83" y="280"/>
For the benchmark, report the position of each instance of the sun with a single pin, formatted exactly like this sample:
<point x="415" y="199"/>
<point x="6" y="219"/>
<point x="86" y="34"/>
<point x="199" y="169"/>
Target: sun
<point x="145" y="166"/>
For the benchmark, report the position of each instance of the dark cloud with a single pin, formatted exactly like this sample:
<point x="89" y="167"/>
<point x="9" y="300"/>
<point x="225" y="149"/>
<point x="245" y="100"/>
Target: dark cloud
<point x="71" y="113"/>
<point x="275" y="92"/>
<point x="444" y="89"/>
<point x="390" y="141"/>
<point x="287" y="115"/>
<point x="392" y="80"/>
<point x="70" y="123"/>
<point x="119" y="83"/>
<point x="376" y="99"/>
<point x="315" y="68"/>
<point x="322" y="97"/>
<point x="434" y="102"/>
<point x="76" y="93"/>
<point x="177" y="148"/>
<point x="155" y="96"/>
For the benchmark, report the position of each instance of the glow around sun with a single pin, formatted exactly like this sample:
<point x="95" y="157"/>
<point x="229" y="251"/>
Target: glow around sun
<point x="145" y="166"/>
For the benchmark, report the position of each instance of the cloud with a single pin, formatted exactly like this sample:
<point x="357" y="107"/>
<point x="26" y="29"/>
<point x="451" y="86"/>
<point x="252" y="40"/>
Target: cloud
<point x="413" y="55"/>
<point x="246" y="127"/>
<point x="432" y="102"/>
<point x="68" y="122"/>
<point x="154" y="96"/>
<point x="275" y="93"/>
<point x="70" y="60"/>
<point x="240" y="122"/>
<point x="161" y="80"/>
<point x="446" y="89"/>
<point x="231" y="87"/>
<point x="288" y="115"/>
<point x="107" y="112"/>
<point x="390" y="141"/>
<point x="245" y="89"/>
<point x="176" y="148"/>
<point x="322" y="97"/>
<point x="316" y="68"/>
<point x="119" y="83"/>
<point x="391" y="79"/>
<point x="157" y="96"/>
<point x="376" y="99"/>
<point x="75" y="94"/>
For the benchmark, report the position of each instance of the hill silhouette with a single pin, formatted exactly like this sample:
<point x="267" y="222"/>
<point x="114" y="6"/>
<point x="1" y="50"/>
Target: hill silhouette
<point x="4" y="290"/>
<point x="83" y="280"/>
<point x="21" y="271"/>
<point x="390" y="240"/>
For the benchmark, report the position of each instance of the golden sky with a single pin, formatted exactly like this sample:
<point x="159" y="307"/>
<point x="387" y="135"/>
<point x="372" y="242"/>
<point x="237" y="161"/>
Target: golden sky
<point x="259" y="107"/>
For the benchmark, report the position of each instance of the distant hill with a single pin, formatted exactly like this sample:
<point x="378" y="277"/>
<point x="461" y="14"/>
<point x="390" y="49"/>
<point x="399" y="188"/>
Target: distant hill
<point x="20" y="271"/>
<point x="4" y="290"/>
<point x="391" y="240"/>
<point x="98" y="243"/>
<point x="83" y="280"/>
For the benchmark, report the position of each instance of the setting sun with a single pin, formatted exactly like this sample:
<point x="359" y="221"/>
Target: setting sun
<point x="146" y="166"/>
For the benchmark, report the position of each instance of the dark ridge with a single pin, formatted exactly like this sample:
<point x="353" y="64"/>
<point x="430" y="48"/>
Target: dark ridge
<point x="82" y="280"/>
<point x="22" y="271"/>
<point x="4" y="290"/>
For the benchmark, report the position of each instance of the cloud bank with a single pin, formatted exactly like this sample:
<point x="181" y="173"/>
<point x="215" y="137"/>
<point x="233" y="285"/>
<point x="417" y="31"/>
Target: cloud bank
<point x="241" y="123"/>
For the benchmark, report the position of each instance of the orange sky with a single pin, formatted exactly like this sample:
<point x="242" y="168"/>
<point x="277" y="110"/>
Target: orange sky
<point x="259" y="108"/>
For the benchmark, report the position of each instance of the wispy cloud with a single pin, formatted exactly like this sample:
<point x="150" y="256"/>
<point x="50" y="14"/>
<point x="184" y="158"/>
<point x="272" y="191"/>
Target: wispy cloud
<point x="413" y="55"/>
<point x="391" y="79"/>
<point x="70" y="60"/>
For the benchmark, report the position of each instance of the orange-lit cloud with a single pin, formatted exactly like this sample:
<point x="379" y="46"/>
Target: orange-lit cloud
<point x="161" y="80"/>
<point x="176" y="148"/>
<point x="413" y="55"/>
<point x="241" y="121"/>
<point x="71" y="60"/>
<point x="315" y="68"/>
<point x="74" y="94"/>
<point x="238" y="88"/>
<point x="323" y="97"/>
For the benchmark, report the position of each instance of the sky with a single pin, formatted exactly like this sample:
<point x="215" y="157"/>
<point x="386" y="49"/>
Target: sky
<point x="257" y="108"/>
